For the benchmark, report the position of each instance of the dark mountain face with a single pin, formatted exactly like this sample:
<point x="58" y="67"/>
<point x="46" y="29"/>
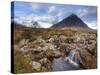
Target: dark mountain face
<point x="70" y="21"/>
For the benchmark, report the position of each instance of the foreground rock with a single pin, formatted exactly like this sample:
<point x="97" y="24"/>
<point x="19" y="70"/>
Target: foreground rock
<point x="58" y="52"/>
<point x="89" y="61"/>
<point x="36" y="66"/>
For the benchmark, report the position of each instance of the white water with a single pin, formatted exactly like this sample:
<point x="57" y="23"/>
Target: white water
<point x="68" y="63"/>
<point x="73" y="58"/>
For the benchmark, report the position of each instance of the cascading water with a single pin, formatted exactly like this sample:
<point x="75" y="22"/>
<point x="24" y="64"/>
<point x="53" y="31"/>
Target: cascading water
<point x="69" y="63"/>
<point x="74" y="57"/>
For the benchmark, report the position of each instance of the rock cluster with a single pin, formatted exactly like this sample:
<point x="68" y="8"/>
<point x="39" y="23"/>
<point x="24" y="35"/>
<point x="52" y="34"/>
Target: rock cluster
<point x="44" y="51"/>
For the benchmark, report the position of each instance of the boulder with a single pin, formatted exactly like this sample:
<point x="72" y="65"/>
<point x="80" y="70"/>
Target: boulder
<point x="36" y="66"/>
<point x="57" y="54"/>
<point x="50" y="53"/>
<point x="52" y="47"/>
<point x="89" y="61"/>
<point x="50" y="40"/>
<point x="79" y="38"/>
<point x="46" y="64"/>
<point x="44" y="69"/>
<point x="39" y="40"/>
<point x="62" y="38"/>
<point x="92" y="49"/>
<point x="23" y="42"/>
<point x="45" y="61"/>
<point x="24" y="48"/>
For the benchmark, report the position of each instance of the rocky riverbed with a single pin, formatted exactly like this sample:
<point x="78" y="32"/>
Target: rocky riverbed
<point x="54" y="51"/>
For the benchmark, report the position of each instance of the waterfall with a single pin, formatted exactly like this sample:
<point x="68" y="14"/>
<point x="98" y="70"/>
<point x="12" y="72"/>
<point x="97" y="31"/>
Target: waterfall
<point x="73" y="57"/>
<point x="69" y="63"/>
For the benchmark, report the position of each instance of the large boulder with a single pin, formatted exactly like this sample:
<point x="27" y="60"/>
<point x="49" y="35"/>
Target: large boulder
<point x="36" y="66"/>
<point x="89" y="61"/>
<point x="92" y="49"/>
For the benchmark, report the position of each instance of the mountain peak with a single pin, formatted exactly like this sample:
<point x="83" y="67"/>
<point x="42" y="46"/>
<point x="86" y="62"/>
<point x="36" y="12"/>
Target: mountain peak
<point x="73" y="15"/>
<point x="71" y="21"/>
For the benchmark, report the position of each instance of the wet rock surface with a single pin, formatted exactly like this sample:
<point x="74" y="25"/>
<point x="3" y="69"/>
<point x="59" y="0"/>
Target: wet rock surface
<point x="60" y="65"/>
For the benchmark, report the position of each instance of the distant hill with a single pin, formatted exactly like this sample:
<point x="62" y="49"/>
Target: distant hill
<point x="16" y="25"/>
<point x="33" y="24"/>
<point x="70" y="21"/>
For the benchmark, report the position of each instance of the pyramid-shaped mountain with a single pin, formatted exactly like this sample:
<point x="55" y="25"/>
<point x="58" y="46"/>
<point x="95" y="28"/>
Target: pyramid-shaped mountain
<point x="71" y="21"/>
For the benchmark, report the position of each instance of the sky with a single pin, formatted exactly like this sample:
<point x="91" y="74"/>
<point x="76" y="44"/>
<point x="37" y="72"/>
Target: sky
<point x="47" y="14"/>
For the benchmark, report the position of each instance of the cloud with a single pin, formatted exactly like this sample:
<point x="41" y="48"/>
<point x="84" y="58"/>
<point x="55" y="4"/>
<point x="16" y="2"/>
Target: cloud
<point x="35" y="6"/>
<point x="49" y="13"/>
<point x="92" y="24"/>
<point x="44" y="21"/>
<point x="52" y="9"/>
<point x="45" y="25"/>
<point x="58" y="12"/>
<point x="89" y="16"/>
<point x="82" y="12"/>
<point x="86" y="12"/>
